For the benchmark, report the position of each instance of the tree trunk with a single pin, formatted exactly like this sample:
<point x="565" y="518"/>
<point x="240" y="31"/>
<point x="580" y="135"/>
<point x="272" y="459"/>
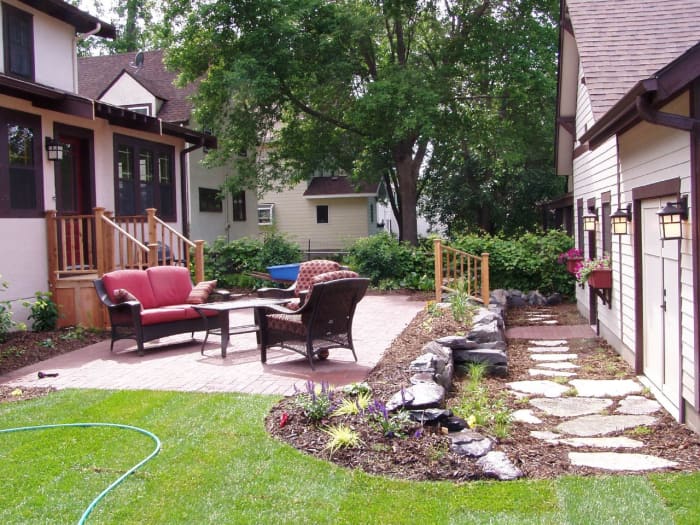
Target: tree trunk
<point x="409" y="200"/>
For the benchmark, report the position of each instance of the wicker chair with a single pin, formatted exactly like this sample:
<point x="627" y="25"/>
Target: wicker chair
<point x="296" y="293"/>
<point x="323" y="322"/>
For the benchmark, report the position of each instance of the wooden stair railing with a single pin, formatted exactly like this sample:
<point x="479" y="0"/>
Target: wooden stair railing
<point x="117" y="249"/>
<point x="453" y="267"/>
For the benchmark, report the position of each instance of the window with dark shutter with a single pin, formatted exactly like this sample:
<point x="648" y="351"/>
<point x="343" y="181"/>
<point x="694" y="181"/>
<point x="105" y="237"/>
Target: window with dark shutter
<point x="18" y="40"/>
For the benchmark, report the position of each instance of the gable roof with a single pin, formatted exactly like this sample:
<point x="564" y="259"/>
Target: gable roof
<point x="335" y="187"/>
<point x="97" y="74"/>
<point x="623" y="41"/>
<point x="82" y="21"/>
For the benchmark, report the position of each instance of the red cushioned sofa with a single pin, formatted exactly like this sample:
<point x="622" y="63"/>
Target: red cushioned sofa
<point x="148" y="304"/>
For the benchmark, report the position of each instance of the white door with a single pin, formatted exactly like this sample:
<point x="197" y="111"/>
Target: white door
<point x="661" y="307"/>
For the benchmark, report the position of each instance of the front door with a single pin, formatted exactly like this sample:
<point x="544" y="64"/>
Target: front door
<point x="661" y="307"/>
<point x="74" y="200"/>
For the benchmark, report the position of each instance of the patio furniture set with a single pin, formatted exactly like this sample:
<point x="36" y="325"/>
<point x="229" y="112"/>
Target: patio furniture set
<point x="311" y="316"/>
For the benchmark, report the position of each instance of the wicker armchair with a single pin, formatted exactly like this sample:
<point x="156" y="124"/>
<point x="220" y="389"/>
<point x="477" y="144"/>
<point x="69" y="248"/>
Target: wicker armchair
<point x="323" y="322"/>
<point x="296" y="292"/>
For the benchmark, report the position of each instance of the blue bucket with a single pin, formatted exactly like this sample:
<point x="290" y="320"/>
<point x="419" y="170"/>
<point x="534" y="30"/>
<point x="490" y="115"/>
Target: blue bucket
<point x="284" y="272"/>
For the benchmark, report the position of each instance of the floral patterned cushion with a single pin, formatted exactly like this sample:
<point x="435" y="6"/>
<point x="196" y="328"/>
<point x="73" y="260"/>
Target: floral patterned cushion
<point x="287" y="323"/>
<point x="308" y="269"/>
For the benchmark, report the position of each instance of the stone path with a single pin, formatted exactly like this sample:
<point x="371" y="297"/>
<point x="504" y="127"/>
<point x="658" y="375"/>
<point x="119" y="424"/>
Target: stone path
<point x="587" y="409"/>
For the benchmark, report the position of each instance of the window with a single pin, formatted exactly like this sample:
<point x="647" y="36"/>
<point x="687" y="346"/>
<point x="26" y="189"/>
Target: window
<point x="239" y="214"/>
<point x="209" y="200"/>
<point x="21" y="187"/>
<point x="322" y="214"/>
<point x="144" y="109"/>
<point x="18" y="41"/>
<point x="144" y="177"/>
<point x="265" y="214"/>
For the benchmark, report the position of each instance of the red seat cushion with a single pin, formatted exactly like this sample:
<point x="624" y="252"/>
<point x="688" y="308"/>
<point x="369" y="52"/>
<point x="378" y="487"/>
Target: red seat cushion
<point x="163" y="315"/>
<point x="136" y="282"/>
<point x="170" y="284"/>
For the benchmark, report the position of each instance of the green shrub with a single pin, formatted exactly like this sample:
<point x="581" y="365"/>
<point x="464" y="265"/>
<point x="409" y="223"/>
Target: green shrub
<point x="44" y="312"/>
<point x="528" y="262"/>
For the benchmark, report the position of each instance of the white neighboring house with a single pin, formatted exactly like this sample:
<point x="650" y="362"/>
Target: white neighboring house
<point x="41" y="110"/>
<point x="140" y="82"/>
<point x="323" y="215"/>
<point x="628" y="138"/>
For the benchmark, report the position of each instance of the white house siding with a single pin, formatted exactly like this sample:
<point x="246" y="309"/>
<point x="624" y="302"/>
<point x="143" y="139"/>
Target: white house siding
<point x="54" y="48"/>
<point x="295" y="216"/>
<point x="128" y="92"/>
<point x="209" y="226"/>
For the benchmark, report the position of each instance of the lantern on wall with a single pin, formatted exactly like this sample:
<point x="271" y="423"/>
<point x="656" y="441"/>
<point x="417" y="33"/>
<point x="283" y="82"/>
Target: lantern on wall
<point x="671" y="219"/>
<point x="620" y="220"/>
<point x="590" y="219"/>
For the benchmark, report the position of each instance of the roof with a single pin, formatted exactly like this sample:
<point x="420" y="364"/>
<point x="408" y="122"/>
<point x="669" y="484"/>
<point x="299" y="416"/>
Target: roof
<point x="82" y="21"/>
<point x="334" y="187"/>
<point x="97" y="74"/>
<point x="624" y="41"/>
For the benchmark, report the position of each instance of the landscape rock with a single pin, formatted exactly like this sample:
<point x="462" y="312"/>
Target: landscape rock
<point x="423" y="363"/>
<point x="445" y="376"/>
<point x="535" y="298"/>
<point x="422" y="377"/>
<point x="554" y="299"/>
<point x="420" y="396"/>
<point x="470" y="443"/>
<point x="457" y="342"/>
<point x="499" y="296"/>
<point x="430" y="416"/>
<point x="497" y="464"/>
<point x="437" y="349"/>
<point x="486" y="333"/>
<point x="638" y="405"/>
<point x="455" y="424"/>
<point x="516" y="301"/>
<point x="486" y="316"/>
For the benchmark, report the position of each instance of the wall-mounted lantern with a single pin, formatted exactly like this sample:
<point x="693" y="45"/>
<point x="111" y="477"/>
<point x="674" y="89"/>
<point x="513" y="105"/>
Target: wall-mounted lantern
<point x="671" y="219"/>
<point x="590" y="219"/>
<point x="54" y="149"/>
<point x="620" y="220"/>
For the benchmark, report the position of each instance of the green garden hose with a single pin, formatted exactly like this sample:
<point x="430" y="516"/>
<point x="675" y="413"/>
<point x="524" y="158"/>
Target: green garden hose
<point x="121" y="478"/>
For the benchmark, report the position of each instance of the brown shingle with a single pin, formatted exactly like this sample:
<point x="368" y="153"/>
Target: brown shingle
<point x="95" y="74"/>
<point x="621" y="42"/>
<point x="328" y="186"/>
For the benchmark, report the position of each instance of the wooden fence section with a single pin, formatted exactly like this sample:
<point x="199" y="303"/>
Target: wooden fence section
<point x="455" y="268"/>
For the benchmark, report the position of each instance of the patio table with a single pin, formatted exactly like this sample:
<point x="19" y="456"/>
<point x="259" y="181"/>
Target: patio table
<point x="223" y="309"/>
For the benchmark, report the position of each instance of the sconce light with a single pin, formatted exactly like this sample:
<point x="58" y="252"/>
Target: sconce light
<point x="671" y="217"/>
<point x="590" y="219"/>
<point x="620" y="220"/>
<point x="54" y="149"/>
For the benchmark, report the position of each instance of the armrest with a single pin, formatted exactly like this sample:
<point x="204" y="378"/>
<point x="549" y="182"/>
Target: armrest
<point x="276" y="293"/>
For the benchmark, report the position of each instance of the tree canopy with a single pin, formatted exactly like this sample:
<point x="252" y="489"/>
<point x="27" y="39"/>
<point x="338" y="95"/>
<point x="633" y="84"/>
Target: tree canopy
<point x="411" y="92"/>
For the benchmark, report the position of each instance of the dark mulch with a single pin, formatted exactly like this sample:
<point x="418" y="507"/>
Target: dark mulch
<point x="428" y="457"/>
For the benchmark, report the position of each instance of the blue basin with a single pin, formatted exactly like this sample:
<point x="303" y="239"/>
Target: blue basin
<point x="284" y="272"/>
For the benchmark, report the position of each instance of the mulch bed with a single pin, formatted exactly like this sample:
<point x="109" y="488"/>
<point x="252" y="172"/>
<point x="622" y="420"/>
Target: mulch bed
<point x="428" y="457"/>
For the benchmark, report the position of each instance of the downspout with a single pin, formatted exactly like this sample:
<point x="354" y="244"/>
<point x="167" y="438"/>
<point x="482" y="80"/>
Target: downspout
<point x="185" y="190"/>
<point x="78" y="37"/>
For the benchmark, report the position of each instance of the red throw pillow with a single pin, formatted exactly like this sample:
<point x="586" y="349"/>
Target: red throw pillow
<point x="200" y="293"/>
<point x="122" y="295"/>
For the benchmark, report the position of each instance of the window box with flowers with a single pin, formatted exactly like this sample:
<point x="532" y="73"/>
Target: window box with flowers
<point x="572" y="258"/>
<point x="598" y="274"/>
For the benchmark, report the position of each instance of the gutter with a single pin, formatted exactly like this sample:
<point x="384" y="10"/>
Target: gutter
<point x="185" y="190"/>
<point x="78" y="37"/>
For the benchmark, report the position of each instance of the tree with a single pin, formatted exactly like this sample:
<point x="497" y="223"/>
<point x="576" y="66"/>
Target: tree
<point x="373" y="88"/>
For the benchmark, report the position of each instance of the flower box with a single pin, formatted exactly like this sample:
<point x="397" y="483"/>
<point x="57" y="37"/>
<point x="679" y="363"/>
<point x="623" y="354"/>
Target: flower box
<point x="601" y="278"/>
<point x="572" y="264"/>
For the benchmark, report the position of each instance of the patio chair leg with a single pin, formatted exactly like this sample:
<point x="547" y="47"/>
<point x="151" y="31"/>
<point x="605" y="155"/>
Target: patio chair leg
<point x="310" y="355"/>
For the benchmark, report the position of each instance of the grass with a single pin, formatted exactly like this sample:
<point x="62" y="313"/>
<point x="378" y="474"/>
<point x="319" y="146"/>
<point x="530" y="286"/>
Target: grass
<point x="218" y="465"/>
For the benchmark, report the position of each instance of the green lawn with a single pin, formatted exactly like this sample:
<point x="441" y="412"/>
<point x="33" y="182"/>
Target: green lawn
<point x="219" y="466"/>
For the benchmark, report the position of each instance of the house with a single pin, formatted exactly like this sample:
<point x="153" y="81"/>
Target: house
<point x="628" y="139"/>
<point x="140" y="82"/>
<point x="322" y="215"/>
<point x="75" y="172"/>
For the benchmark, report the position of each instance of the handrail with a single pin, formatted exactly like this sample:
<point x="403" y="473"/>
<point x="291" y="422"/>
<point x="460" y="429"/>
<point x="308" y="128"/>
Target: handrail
<point x="456" y="266"/>
<point x="130" y="250"/>
<point x="124" y="233"/>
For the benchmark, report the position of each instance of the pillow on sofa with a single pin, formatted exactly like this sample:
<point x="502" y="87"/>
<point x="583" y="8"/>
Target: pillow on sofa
<point x="200" y="293"/>
<point x="122" y="295"/>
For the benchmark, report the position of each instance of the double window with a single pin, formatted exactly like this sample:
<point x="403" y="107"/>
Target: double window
<point x="239" y="214"/>
<point x="18" y="41"/>
<point x="21" y="188"/>
<point x="144" y="177"/>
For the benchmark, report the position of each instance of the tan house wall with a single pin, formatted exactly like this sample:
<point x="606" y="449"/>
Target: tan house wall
<point x="128" y="92"/>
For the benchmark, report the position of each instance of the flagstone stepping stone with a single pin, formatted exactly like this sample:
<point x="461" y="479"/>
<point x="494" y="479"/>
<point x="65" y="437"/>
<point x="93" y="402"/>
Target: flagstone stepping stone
<point x="570" y="406"/>
<point x="547" y="342"/>
<point x="559" y="366"/>
<point x="546" y="435"/>
<point x="539" y="387"/>
<point x="619" y="461"/>
<point x="525" y="415"/>
<point x="601" y="442"/>
<point x="553" y="357"/>
<point x="606" y="387"/>
<point x="638" y="405"/>
<point x="547" y="349"/>
<point x="497" y="464"/>
<point x="550" y="373"/>
<point x="597" y="425"/>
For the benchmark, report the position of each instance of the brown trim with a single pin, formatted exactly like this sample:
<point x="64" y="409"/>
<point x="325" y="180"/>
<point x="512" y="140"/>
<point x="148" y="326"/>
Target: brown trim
<point x="568" y="123"/>
<point x="695" y="242"/>
<point x="46" y="97"/>
<point x="83" y="134"/>
<point x="581" y="149"/>
<point x="650" y="191"/>
<point x="80" y="20"/>
<point x="605" y="197"/>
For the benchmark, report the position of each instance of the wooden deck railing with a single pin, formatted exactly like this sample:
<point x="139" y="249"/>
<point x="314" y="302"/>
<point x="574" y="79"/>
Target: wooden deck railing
<point x="100" y="243"/>
<point x="455" y="268"/>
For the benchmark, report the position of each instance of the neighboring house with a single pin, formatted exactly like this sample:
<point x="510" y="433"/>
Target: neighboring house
<point x="323" y="215"/>
<point x="628" y="135"/>
<point x="140" y="82"/>
<point x="112" y="158"/>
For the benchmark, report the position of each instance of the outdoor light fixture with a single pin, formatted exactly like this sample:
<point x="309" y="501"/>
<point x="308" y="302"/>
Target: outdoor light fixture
<point x="54" y="149"/>
<point x="620" y="220"/>
<point x="671" y="218"/>
<point x="590" y="219"/>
